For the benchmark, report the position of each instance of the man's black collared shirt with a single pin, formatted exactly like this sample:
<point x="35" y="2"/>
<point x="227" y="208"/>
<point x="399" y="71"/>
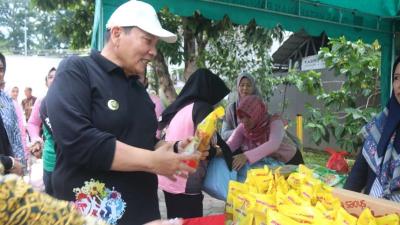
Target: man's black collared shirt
<point x="91" y="104"/>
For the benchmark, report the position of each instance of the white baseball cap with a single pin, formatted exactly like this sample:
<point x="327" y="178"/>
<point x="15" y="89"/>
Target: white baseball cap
<point x="142" y="15"/>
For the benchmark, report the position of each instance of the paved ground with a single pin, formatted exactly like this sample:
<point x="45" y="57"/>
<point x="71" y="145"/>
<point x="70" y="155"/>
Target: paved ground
<point x="210" y="205"/>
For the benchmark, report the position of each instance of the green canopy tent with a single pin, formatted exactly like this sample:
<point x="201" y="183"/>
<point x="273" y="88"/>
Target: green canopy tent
<point x="368" y="20"/>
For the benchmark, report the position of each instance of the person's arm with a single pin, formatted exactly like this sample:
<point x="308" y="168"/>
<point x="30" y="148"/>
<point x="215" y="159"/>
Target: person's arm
<point x="236" y="139"/>
<point x="358" y="175"/>
<point x="276" y="134"/>
<point x="69" y="110"/>
<point x="34" y="122"/>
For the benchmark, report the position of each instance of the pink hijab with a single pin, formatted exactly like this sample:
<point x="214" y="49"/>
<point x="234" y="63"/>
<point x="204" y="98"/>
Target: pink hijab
<point x="253" y="106"/>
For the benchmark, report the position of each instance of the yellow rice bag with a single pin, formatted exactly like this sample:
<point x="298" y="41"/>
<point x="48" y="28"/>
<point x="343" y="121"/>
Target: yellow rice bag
<point x="234" y="189"/>
<point x="366" y="218"/>
<point x="243" y="207"/>
<point x="391" y="219"/>
<point x="276" y="218"/>
<point x="301" y="214"/>
<point x="343" y="217"/>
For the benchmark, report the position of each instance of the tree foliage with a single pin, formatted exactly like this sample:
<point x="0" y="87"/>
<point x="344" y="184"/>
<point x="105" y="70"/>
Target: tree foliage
<point x="17" y="16"/>
<point x="351" y="106"/>
<point x="75" y="21"/>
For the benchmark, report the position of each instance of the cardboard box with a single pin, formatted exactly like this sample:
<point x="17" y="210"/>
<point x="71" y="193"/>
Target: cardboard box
<point x="355" y="203"/>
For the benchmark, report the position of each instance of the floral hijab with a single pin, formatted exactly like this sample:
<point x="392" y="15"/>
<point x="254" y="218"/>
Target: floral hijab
<point x="381" y="147"/>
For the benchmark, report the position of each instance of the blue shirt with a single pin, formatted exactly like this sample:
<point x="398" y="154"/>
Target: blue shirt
<point x="10" y="120"/>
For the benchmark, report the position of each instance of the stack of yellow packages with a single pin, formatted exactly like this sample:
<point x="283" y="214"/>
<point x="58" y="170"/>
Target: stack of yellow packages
<point x="267" y="197"/>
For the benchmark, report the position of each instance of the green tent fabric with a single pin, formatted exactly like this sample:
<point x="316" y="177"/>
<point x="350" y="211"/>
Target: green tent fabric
<point x="369" y="20"/>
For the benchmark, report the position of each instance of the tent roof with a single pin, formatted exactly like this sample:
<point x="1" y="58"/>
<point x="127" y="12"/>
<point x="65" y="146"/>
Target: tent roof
<point x="366" y="19"/>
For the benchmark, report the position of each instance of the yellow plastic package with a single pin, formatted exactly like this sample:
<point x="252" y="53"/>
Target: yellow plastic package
<point x="205" y="130"/>
<point x="277" y="218"/>
<point x="302" y="214"/>
<point x="391" y="219"/>
<point x="366" y="218"/>
<point x="343" y="217"/>
<point x="235" y="188"/>
<point x="243" y="209"/>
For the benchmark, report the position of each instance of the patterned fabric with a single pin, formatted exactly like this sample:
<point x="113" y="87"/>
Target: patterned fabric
<point x="10" y="120"/>
<point x="21" y="205"/>
<point x="387" y="166"/>
<point x="377" y="191"/>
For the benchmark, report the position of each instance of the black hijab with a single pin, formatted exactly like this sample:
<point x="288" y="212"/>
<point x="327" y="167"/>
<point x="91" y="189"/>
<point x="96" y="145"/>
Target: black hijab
<point x="202" y="85"/>
<point x="392" y="123"/>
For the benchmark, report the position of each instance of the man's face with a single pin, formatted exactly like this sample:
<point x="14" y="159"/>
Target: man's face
<point x="28" y="93"/>
<point x="135" y="49"/>
<point x="2" y="73"/>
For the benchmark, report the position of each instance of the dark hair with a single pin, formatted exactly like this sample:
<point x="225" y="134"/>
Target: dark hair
<point x="29" y="89"/>
<point x="108" y="32"/>
<point x="3" y="60"/>
<point x="51" y="70"/>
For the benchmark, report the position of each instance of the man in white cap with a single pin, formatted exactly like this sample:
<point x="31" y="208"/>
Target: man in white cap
<point x="104" y="124"/>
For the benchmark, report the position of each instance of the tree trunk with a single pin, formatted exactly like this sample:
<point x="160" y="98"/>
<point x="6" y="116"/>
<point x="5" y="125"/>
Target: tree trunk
<point x="189" y="48"/>
<point x="166" y="91"/>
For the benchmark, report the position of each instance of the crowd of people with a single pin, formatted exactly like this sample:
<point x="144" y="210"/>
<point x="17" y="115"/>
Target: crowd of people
<point x="107" y="145"/>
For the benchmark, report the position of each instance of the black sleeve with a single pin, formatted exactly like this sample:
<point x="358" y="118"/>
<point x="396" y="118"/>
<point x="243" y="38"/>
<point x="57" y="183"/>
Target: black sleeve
<point x="6" y="161"/>
<point x="69" y="104"/>
<point x="358" y="176"/>
<point x="201" y="111"/>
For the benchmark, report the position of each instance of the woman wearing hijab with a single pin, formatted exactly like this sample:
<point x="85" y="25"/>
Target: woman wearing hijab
<point x="245" y="85"/>
<point x="377" y="168"/>
<point x="201" y="93"/>
<point x="260" y="135"/>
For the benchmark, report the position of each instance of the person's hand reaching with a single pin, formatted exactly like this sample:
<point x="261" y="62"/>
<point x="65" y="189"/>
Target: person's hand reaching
<point x="239" y="161"/>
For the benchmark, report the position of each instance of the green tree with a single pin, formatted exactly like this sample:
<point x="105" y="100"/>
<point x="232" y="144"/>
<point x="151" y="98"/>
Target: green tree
<point x="18" y="15"/>
<point x="75" y="20"/>
<point x="351" y="106"/>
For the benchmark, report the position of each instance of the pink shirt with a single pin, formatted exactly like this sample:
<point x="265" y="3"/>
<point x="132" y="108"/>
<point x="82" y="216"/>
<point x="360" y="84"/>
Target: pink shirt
<point x="20" y="117"/>
<point x="34" y="122"/>
<point x="278" y="145"/>
<point x="180" y="127"/>
<point x="159" y="106"/>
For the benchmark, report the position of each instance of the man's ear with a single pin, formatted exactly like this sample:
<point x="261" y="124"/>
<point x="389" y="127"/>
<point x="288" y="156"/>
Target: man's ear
<point x="115" y="34"/>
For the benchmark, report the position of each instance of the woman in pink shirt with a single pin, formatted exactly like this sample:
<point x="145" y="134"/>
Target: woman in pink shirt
<point x="260" y="135"/>
<point x="202" y="91"/>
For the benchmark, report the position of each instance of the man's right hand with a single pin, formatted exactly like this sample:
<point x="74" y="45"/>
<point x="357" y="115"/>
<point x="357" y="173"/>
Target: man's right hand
<point x="18" y="168"/>
<point x="167" y="163"/>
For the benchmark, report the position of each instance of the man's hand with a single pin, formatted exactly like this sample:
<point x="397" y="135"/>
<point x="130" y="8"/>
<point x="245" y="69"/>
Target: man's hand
<point x="239" y="161"/>
<point x="17" y="168"/>
<point x="182" y="144"/>
<point x="167" y="163"/>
